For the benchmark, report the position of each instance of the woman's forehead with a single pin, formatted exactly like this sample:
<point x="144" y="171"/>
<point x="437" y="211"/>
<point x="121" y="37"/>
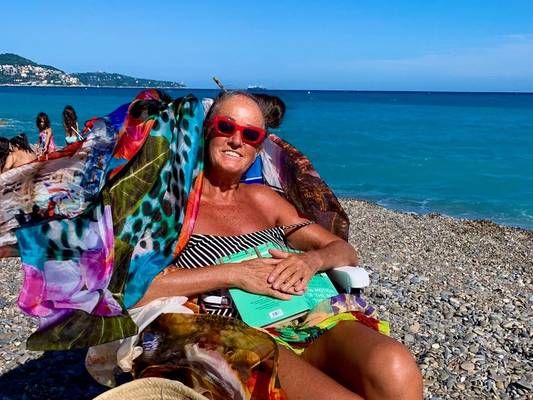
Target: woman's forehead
<point x="240" y="106"/>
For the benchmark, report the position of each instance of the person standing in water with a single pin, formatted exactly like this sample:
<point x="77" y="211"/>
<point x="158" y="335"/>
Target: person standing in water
<point x="70" y="123"/>
<point x="46" y="135"/>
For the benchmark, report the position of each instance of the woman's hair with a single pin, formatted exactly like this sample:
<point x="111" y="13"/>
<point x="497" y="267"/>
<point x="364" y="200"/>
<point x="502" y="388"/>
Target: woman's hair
<point x="42" y="117"/>
<point x="272" y="107"/>
<point x="4" y="152"/>
<point x="21" y="142"/>
<point x="69" y="118"/>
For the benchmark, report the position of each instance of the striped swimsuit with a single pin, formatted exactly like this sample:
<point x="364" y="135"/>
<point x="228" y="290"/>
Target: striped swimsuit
<point x="203" y="250"/>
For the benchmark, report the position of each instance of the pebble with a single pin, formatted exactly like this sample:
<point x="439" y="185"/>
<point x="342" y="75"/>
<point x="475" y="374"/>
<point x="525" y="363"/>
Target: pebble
<point x="468" y="366"/>
<point x="409" y="338"/>
<point x="525" y="384"/>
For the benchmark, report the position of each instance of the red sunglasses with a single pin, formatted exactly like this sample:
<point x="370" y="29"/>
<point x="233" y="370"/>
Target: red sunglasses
<point x="226" y="127"/>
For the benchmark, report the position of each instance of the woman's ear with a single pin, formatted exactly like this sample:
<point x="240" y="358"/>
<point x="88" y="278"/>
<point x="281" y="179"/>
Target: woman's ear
<point x="258" y="151"/>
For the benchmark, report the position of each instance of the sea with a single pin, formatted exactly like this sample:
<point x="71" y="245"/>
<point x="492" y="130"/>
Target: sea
<point x="466" y="155"/>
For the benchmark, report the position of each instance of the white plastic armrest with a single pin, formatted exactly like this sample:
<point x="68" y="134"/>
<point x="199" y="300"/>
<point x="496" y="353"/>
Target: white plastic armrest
<point x="350" y="277"/>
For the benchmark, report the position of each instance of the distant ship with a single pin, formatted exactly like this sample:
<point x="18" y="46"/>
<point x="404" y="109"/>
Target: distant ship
<point x="256" y="87"/>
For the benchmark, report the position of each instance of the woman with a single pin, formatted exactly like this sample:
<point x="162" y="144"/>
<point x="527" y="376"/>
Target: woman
<point x="21" y="153"/>
<point x="46" y="135"/>
<point x="70" y="123"/>
<point x="348" y="361"/>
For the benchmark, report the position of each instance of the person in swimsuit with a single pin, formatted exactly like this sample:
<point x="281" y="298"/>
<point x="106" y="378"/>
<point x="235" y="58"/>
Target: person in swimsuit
<point x="351" y="360"/>
<point x="21" y="153"/>
<point x="70" y="123"/>
<point x="46" y="135"/>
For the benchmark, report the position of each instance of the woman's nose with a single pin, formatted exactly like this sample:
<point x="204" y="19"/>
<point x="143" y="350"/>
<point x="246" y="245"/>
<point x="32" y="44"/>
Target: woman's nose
<point x="236" y="138"/>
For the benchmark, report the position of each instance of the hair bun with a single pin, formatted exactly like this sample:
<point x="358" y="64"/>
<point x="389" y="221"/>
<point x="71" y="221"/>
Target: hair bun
<point x="273" y="109"/>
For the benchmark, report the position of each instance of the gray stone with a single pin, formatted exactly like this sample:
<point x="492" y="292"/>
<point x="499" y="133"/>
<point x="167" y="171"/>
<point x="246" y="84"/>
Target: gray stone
<point x="409" y="338"/>
<point x="473" y="349"/>
<point x="468" y="366"/>
<point x="524" y="384"/>
<point x="414" y="328"/>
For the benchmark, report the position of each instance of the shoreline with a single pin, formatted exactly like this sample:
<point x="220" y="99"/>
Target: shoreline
<point x="502" y="224"/>
<point x="97" y="87"/>
<point x="277" y="90"/>
<point x="457" y="292"/>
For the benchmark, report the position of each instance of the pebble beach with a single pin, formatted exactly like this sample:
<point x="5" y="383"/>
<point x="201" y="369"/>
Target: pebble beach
<point x="457" y="292"/>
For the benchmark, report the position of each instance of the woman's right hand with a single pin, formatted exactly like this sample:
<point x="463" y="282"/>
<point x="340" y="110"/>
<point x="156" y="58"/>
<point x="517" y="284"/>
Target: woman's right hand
<point x="252" y="276"/>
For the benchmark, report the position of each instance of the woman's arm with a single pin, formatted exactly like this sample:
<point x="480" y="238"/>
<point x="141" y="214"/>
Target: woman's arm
<point x="323" y="250"/>
<point x="49" y="134"/>
<point x="10" y="161"/>
<point x="249" y="275"/>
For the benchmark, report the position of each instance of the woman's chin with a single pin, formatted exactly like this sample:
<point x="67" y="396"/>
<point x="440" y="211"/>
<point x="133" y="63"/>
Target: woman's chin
<point x="237" y="165"/>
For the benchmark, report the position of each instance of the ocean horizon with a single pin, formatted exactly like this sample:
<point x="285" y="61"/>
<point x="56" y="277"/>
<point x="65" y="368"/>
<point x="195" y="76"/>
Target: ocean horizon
<point x="462" y="154"/>
<point x="264" y="89"/>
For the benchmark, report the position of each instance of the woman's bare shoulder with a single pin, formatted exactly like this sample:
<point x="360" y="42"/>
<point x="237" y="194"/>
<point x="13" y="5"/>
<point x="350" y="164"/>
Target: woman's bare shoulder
<point x="268" y="199"/>
<point x="262" y="192"/>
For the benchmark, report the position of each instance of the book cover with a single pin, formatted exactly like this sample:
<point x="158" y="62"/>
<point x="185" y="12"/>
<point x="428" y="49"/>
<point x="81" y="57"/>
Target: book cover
<point x="264" y="311"/>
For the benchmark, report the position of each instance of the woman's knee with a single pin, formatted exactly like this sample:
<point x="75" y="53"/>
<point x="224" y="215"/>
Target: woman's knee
<point x="393" y="364"/>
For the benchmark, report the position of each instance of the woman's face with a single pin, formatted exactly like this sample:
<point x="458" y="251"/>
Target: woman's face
<point x="230" y="154"/>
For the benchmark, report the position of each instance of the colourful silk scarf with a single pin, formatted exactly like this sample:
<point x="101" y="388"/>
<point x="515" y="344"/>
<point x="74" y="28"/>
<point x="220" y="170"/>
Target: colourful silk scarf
<point x="220" y="354"/>
<point x="83" y="272"/>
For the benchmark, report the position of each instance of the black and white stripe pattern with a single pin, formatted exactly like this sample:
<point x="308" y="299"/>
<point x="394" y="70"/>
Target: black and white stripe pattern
<point x="204" y="250"/>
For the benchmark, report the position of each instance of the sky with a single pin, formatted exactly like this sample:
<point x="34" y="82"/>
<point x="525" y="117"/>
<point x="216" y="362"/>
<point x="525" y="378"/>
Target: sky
<point x="452" y="45"/>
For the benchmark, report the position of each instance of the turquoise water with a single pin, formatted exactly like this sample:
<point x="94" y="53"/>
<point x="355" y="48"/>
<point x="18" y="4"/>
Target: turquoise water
<point x="465" y="155"/>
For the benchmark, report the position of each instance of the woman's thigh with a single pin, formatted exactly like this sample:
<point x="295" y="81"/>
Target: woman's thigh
<point x="366" y="361"/>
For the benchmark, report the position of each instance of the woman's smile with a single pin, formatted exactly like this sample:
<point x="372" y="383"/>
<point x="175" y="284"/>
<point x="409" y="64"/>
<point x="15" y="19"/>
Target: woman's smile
<point x="232" y="153"/>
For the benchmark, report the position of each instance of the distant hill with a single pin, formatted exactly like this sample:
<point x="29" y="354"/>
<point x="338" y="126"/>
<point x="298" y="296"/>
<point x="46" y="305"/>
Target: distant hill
<point x="14" y="59"/>
<point x="16" y="70"/>
<point x="117" y="80"/>
<point x="19" y="71"/>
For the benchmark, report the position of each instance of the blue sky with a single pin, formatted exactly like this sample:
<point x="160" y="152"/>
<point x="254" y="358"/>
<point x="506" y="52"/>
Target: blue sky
<point x="451" y="45"/>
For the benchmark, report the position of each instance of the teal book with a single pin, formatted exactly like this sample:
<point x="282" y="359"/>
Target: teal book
<point x="265" y="311"/>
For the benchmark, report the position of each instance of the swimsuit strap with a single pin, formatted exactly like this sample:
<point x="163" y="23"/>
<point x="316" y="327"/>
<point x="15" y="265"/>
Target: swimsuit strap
<point x="76" y="132"/>
<point x="297" y="225"/>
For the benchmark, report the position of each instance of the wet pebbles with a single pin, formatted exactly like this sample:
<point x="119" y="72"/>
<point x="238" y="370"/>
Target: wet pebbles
<point x="457" y="292"/>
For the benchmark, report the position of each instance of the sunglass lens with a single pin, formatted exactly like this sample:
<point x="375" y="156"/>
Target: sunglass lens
<point x="225" y="127"/>
<point x="252" y="135"/>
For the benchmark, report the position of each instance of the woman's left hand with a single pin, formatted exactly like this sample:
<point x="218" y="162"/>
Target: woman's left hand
<point x="295" y="270"/>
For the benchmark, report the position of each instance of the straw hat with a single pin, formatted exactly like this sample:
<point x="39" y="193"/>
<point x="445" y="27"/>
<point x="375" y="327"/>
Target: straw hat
<point x="151" y="389"/>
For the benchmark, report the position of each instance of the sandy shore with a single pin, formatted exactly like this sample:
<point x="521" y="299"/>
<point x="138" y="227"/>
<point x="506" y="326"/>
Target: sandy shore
<point x="457" y="292"/>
